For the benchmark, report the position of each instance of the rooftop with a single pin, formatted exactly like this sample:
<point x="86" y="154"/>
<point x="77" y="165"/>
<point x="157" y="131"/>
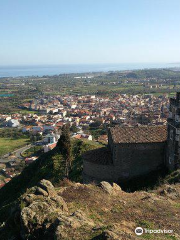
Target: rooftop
<point x="140" y="134"/>
<point x="99" y="156"/>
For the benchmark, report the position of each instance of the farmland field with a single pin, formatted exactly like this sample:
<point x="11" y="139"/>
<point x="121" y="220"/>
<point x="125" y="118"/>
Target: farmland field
<point x="8" y="145"/>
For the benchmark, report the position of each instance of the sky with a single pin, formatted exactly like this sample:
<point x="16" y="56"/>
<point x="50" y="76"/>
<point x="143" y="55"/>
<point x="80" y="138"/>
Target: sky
<point x="35" y="32"/>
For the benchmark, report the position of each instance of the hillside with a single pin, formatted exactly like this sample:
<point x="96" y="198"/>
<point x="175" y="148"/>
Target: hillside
<point x="48" y="166"/>
<point x="41" y="204"/>
<point x="104" y="212"/>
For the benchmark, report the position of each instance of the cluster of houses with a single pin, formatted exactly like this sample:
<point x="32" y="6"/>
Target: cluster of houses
<point x="84" y="110"/>
<point x="50" y="113"/>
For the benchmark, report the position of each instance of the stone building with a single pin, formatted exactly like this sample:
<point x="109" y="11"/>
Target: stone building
<point x="131" y="152"/>
<point x="137" y="150"/>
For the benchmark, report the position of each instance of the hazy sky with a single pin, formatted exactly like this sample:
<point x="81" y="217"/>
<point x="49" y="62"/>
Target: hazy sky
<point x="89" y="31"/>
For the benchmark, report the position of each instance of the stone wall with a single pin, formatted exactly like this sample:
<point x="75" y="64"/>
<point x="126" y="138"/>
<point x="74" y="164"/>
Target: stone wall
<point x="130" y="160"/>
<point x="172" y="144"/>
<point x="93" y="172"/>
<point x="138" y="159"/>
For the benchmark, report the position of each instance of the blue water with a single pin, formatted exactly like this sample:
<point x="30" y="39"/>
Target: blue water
<point x="6" y="95"/>
<point x="15" y="71"/>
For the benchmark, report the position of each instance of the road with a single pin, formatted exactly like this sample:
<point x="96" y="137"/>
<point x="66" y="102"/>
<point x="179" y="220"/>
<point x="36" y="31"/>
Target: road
<point x="17" y="153"/>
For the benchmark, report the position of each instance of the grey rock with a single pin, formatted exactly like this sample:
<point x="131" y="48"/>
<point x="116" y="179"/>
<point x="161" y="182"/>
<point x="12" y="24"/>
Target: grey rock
<point x="40" y="209"/>
<point x="47" y="186"/>
<point x="170" y="191"/>
<point x="106" y="187"/>
<point x="110" y="189"/>
<point x="40" y="191"/>
<point x="71" y="223"/>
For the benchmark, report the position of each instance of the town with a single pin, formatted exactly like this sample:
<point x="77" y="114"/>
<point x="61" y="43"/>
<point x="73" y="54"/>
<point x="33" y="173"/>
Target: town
<point x="34" y="109"/>
<point x="89" y="117"/>
<point x="89" y="120"/>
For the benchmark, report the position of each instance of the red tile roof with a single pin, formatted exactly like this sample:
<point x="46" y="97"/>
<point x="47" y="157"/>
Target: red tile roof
<point x="53" y="145"/>
<point x="140" y="134"/>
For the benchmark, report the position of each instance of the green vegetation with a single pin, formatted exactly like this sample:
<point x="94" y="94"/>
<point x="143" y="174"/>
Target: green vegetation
<point x="50" y="166"/>
<point x="35" y="150"/>
<point x="23" y="111"/>
<point x="97" y="129"/>
<point x="11" y="139"/>
<point x="8" y="145"/>
<point x="65" y="148"/>
<point x="171" y="237"/>
<point x="13" y="133"/>
<point x="177" y="205"/>
<point x="65" y="161"/>
<point x="79" y="148"/>
<point x="147" y="183"/>
<point x="145" y="224"/>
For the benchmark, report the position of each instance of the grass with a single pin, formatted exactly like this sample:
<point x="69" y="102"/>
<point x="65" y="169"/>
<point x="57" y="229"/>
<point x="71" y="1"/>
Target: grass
<point x="36" y="150"/>
<point x="27" y="111"/>
<point x="8" y="145"/>
<point x="49" y="166"/>
<point x="145" y="224"/>
<point x="177" y="205"/>
<point x="2" y="177"/>
<point x="106" y="210"/>
<point x="93" y="143"/>
<point x="171" y="237"/>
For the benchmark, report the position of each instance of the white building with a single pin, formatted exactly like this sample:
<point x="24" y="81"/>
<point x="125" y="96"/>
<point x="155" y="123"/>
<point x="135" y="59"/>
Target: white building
<point x="13" y="123"/>
<point x="50" y="141"/>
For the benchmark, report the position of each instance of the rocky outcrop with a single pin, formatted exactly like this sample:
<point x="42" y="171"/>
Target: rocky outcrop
<point x="110" y="189"/>
<point x="169" y="191"/>
<point x="78" y="211"/>
<point x="39" y="207"/>
<point x="76" y="220"/>
<point x="118" y="231"/>
<point x="43" y="214"/>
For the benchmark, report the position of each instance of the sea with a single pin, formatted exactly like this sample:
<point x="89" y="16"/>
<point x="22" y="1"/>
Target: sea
<point x="44" y="70"/>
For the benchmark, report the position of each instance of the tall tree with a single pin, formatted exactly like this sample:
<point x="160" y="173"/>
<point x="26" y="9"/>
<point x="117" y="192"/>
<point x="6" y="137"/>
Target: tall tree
<point x="64" y="145"/>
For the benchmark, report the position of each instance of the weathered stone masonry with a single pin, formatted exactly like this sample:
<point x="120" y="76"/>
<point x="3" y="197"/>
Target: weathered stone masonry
<point x="130" y="160"/>
<point x="173" y="139"/>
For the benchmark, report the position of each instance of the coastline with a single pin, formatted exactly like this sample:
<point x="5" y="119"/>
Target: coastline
<point x="50" y="70"/>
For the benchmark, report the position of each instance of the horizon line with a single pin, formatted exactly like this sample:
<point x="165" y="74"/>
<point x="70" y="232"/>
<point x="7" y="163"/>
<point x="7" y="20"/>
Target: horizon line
<point x="65" y="64"/>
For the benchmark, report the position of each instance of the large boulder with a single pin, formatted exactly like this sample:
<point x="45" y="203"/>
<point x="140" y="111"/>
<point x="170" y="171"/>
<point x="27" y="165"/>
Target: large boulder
<point x="44" y="215"/>
<point x="40" y="208"/>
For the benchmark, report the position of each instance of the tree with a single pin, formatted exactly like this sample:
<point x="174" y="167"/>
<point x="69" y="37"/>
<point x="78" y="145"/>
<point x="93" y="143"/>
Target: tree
<point x="95" y="124"/>
<point x="73" y="128"/>
<point x="58" y="167"/>
<point x="64" y="146"/>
